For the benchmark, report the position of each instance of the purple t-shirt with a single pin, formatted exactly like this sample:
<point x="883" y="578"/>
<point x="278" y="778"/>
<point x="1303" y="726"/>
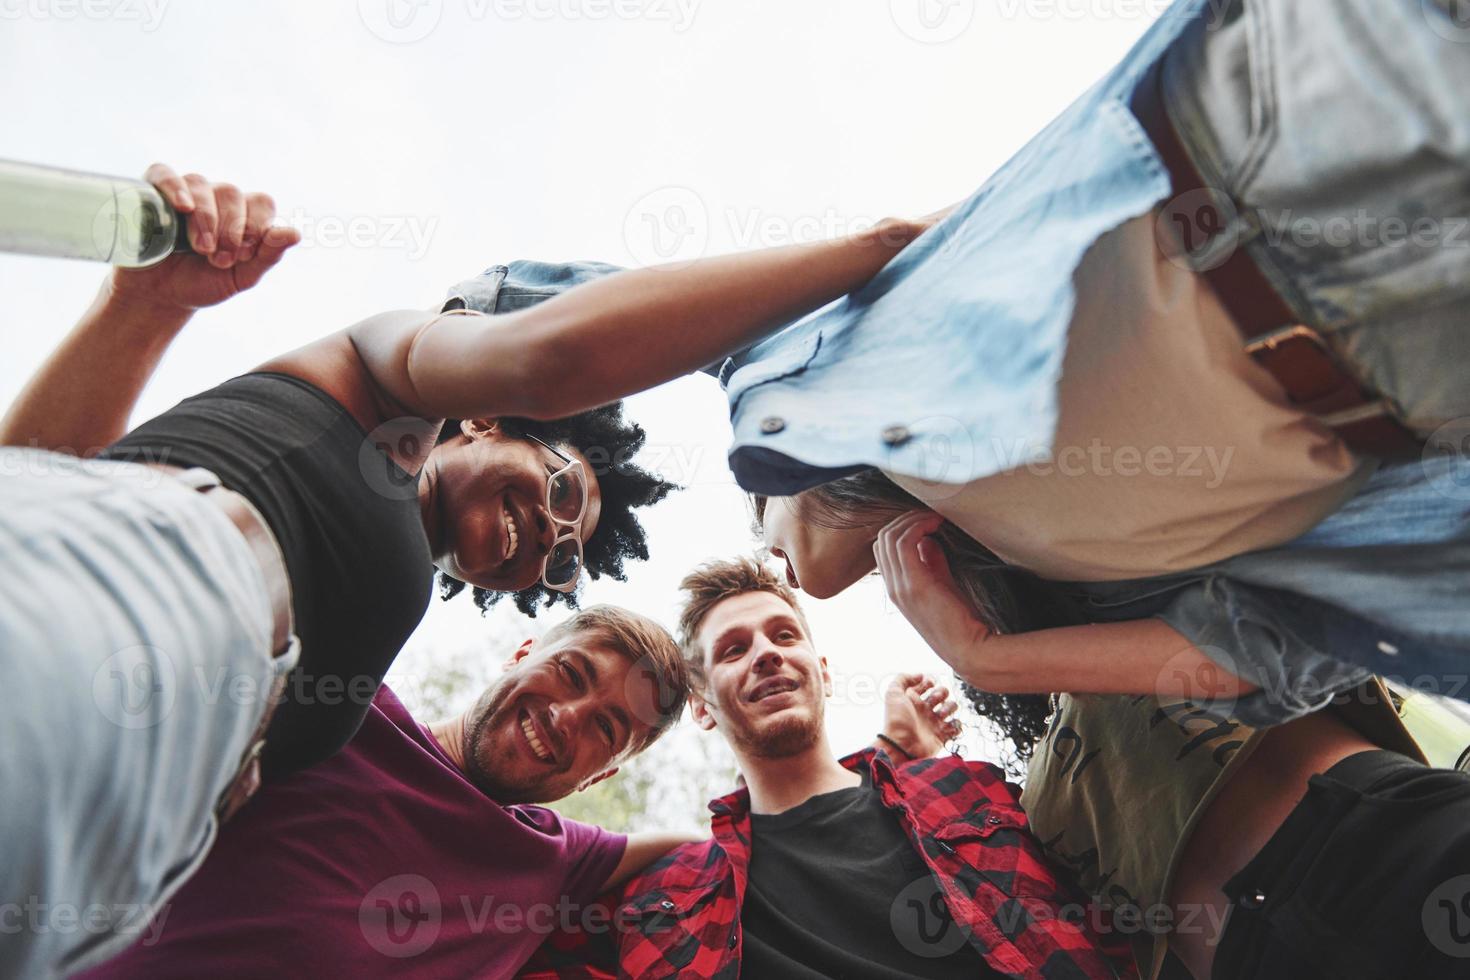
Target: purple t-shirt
<point x="381" y="860"/>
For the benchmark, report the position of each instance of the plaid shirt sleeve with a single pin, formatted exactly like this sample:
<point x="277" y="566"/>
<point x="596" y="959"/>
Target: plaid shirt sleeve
<point x="997" y="881"/>
<point x="576" y="953"/>
<point x="680" y="917"/>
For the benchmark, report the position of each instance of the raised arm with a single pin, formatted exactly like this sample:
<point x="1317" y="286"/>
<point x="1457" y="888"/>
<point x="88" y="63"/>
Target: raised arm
<point x="81" y="398"/>
<point x="615" y="336"/>
<point x="918" y="718"/>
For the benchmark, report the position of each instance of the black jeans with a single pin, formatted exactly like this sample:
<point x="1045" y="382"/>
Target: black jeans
<point x="1369" y="877"/>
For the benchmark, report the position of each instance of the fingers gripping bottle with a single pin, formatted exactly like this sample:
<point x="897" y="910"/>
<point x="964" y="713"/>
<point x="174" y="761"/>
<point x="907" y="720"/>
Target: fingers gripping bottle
<point x="74" y="215"/>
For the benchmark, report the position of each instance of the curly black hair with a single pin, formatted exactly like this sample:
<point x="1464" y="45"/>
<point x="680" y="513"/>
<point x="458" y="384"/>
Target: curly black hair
<point x="609" y="441"/>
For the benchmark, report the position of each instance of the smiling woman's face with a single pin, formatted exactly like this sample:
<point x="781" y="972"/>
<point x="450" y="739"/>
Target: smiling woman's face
<point x="819" y="560"/>
<point x="490" y="490"/>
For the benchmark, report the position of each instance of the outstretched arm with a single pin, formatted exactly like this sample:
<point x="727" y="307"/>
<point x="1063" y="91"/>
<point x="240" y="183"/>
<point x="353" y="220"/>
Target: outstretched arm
<point x="81" y="398"/>
<point x="1146" y="656"/>
<point x="615" y="336"/>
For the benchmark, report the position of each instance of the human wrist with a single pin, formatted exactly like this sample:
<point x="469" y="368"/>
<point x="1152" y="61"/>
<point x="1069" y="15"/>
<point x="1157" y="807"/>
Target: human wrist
<point x="987" y="661"/>
<point x="893" y="745"/>
<point x="130" y="308"/>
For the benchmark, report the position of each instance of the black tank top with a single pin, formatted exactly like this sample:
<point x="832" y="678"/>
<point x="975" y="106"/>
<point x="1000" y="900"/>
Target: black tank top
<point x="347" y="519"/>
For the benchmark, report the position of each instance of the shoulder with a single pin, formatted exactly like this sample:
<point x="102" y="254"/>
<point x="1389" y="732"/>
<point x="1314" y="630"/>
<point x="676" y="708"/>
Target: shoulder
<point x="964" y="782"/>
<point x="344" y="364"/>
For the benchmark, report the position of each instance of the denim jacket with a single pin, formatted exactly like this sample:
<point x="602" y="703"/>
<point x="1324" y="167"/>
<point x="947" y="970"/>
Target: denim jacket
<point x="984" y="297"/>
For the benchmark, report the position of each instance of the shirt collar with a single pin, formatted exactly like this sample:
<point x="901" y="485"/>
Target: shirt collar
<point x="736" y="805"/>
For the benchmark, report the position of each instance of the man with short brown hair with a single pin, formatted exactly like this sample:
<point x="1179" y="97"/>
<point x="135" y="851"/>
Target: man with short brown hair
<point x="894" y="862"/>
<point x="418" y="848"/>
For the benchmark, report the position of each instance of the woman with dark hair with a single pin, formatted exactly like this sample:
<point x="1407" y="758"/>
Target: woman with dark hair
<point x="1171" y="812"/>
<point x="847" y="513"/>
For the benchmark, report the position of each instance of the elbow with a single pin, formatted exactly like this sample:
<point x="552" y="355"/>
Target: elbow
<point x="547" y="382"/>
<point x="503" y="367"/>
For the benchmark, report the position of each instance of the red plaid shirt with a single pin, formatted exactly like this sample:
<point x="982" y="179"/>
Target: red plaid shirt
<point x="681" y="916"/>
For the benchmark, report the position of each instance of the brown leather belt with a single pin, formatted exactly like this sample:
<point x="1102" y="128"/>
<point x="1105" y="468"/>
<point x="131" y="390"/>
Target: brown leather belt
<point x="1314" y="380"/>
<point x="262" y="544"/>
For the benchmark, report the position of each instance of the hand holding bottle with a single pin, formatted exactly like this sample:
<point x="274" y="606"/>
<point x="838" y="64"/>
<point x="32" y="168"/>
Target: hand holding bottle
<point x="233" y="240"/>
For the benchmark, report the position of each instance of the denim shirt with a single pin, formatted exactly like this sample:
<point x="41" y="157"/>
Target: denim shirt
<point x="955" y="349"/>
<point x="963" y="332"/>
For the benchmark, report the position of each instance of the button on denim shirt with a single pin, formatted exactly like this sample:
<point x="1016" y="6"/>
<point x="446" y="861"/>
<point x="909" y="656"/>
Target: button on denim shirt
<point x="964" y="332"/>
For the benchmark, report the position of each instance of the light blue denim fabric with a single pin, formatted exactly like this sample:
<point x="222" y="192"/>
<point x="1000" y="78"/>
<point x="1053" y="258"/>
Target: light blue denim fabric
<point x="1338" y="129"/>
<point x="507" y="288"/>
<point x="965" y="331"/>
<point x="966" y="327"/>
<point x="1380" y="587"/>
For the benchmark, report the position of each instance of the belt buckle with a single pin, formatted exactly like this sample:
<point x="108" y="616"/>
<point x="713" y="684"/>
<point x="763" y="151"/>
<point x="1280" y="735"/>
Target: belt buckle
<point x="1319" y="385"/>
<point x="1311" y="375"/>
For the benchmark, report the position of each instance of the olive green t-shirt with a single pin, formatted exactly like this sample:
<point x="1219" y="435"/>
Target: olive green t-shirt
<point x="1118" y="782"/>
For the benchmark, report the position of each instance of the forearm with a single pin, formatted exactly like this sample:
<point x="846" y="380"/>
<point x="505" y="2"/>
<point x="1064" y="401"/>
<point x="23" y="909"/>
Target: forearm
<point x="83" y="395"/>
<point x="635" y="329"/>
<point x="642" y="850"/>
<point x="1144" y="656"/>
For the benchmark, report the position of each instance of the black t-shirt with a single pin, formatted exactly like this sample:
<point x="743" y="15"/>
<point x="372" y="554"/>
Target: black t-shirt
<point x="348" y="523"/>
<point x="837" y="890"/>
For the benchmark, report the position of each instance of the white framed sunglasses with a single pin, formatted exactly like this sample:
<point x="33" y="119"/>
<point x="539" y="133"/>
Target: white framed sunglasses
<point x="566" y="501"/>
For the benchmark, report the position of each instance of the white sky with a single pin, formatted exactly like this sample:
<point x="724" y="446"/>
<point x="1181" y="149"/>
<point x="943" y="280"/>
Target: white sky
<point x="547" y="129"/>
